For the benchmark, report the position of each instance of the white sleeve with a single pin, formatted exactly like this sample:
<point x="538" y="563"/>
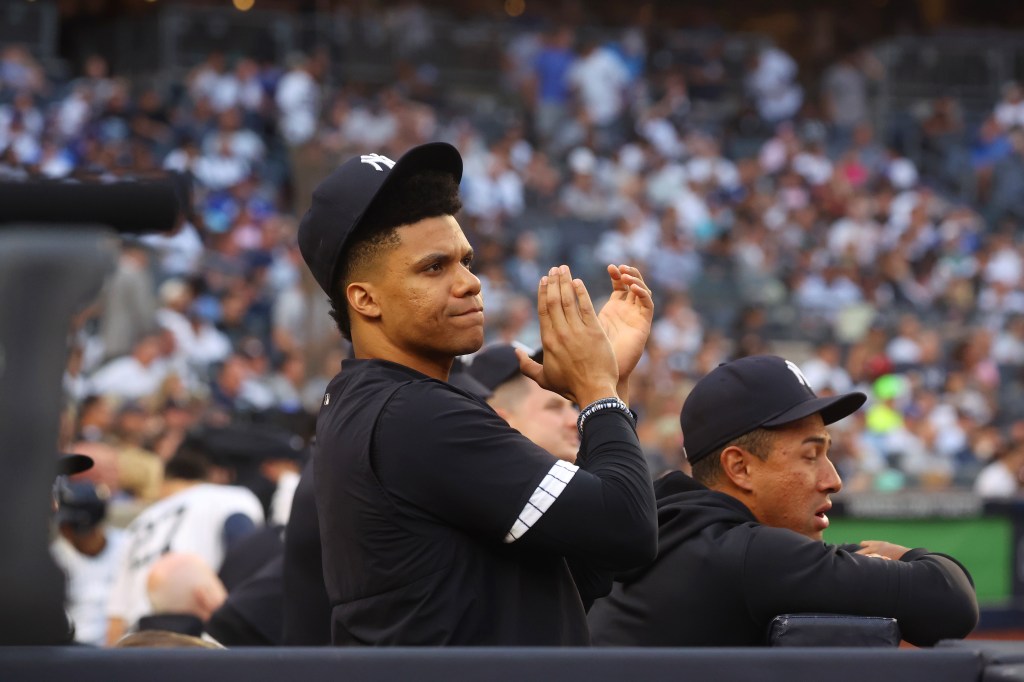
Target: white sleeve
<point x="120" y="595"/>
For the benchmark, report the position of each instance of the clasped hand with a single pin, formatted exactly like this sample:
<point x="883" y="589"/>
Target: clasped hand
<point x="590" y="355"/>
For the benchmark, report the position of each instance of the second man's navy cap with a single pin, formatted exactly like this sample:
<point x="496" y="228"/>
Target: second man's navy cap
<point x="461" y="378"/>
<point x="498" y="363"/>
<point x="342" y="199"/>
<point x="749" y="393"/>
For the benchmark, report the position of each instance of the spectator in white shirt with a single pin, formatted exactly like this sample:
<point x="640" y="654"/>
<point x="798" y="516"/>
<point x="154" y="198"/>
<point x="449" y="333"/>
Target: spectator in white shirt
<point x="824" y="372"/>
<point x="1009" y="112"/>
<point x="904" y="348"/>
<point x="239" y="142"/>
<point x="219" y="168"/>
<point x="707" y="167"/>
<point x="679" y="329"/>
<point x="298" y="100"/>
<point x="89" y="553"/>
<point x="1008" y="347"/>
<point x="857" y="235"/>
<point x="24" y="109"/>
<point x="771" y="82"/>
<point x="632" y="240"/>
<point x="845" y="89"/>
<point x="600" y="78"/>
<point x="197" y="340"/>
<point x="213" y="81"/>
<point x="251" y="97"/>
<point x="1002" y="477"/>
<point x="779" y="150"/>
<point x="134" y="376"/>
<point x="497" y="193"/>
<point x="584" y="197"/>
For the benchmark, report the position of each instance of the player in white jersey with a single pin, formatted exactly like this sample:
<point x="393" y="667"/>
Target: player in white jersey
<point x="194" y="516"/>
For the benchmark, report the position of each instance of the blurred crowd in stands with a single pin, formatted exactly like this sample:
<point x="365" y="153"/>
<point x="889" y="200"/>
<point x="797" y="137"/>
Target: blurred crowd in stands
<point x="767" y="215"/>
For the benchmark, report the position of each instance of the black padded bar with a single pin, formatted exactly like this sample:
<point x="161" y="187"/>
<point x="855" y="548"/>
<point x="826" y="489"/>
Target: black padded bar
<point x="134" y="207"/>
<point x="45" y="277"/>
<point x="494" y="665"/>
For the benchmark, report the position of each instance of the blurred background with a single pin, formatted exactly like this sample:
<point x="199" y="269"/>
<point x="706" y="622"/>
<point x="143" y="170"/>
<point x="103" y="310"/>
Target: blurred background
<point x="838" y="183"/>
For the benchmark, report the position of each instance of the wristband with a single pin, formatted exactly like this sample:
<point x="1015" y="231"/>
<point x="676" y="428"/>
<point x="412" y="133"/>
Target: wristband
<point x="603" y="404"/>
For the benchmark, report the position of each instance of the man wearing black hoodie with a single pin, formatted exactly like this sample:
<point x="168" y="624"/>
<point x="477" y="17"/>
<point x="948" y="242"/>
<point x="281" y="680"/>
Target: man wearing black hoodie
<point x="741" y="541"/>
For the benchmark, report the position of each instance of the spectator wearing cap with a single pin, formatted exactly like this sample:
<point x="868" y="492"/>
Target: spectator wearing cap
<point x="263" y="456"/>
<point x="745" y="533"/>
<point x="62" y="630"/>
<point x="546" y="418"/>
<point x="88" y="552"/>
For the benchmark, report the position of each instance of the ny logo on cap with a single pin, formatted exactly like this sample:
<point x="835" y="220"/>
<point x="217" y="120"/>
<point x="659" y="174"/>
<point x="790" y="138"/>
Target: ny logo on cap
<point x="796" y="372"/>
<point x="375" y="159"/>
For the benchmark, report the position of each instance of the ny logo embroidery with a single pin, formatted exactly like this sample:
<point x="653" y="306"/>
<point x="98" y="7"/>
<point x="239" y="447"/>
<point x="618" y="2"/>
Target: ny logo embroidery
<point x="796" y="371"/>
<point x="327" y="399"/>
<point x="376" y="159"/>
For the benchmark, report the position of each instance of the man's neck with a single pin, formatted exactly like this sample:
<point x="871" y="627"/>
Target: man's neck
<point x="175" y="485"/>
<point x="434" y="367"/>
<point x="89" y="544"/>
<point x="734" y="493"/>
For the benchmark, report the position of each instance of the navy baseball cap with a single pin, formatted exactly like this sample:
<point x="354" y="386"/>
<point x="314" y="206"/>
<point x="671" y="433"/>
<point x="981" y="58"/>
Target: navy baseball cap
<point x="749" y="393"/>
<point x="496" y="364"/>
<point x="80" y="504"/>
<point x="460" y="378"/>
<point x="342" y="199"/>
<point x="241" y="443"/>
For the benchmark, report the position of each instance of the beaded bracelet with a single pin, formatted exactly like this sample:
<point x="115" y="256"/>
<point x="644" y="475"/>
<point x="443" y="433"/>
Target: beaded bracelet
<point x="603" y="404"/>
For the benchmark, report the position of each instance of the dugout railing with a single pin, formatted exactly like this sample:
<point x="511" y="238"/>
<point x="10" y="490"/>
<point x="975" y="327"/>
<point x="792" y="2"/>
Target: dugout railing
<point x="953" y="664"/>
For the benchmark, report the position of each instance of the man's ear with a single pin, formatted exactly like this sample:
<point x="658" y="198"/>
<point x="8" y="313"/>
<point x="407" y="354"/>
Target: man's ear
<point x="362" y="299"/>
<point x="736" y="466"/>
<point x="208" y="598"/>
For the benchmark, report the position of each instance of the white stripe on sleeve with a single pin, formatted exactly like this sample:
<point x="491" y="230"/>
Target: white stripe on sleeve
<point x="550" y="487"/>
